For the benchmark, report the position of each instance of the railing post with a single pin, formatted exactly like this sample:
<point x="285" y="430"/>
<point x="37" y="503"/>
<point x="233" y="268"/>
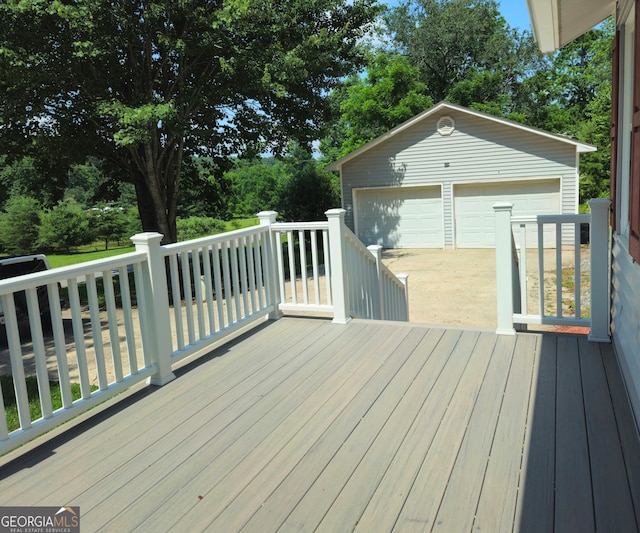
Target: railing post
<point x="376" y="251"/>
<point x="337" y="262"/>
<point x="599" y="238"/>
<point x="155" y="307"/>
<point x="404" y="279"/>
<point x="504" y="268"/>
<point x="273" y="294"/>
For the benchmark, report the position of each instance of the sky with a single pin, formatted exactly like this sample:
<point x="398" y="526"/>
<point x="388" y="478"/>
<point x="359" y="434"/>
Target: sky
<point x="515" y="12"/>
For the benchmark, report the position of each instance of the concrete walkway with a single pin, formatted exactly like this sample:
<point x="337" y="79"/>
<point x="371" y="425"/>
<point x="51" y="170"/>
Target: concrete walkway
<point x="453" y="287"/>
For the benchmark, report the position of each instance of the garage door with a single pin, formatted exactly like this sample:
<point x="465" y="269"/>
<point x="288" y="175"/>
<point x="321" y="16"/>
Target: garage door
<point x="475" y="218"/>
<point x="401" y="217"/>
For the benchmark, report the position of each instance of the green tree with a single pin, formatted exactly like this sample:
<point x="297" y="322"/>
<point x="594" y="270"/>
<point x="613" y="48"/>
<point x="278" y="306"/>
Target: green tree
<point x="450" y="40"/>
<point x="110" y="224"/>
<point x="388" y="95"/>
<point x="19" y="225"/>
<point x="581" y="73"/>
<point x="205" y="189"/>
<point x="89" y="185"/>
<point x="22" y="177"/>
<point x="194" y="227"/>
<point x="306" y="191"/>
<point x="254" y="185"/>
<point x="146" y="85"/>
<point x="64" y="228"/>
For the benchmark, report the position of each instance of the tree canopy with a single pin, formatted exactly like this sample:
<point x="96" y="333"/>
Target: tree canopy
<point x="463" y="51"/>
<point x="450" y="40"/>
<point x="207" y="108"/>
<point x="144" y="84"/>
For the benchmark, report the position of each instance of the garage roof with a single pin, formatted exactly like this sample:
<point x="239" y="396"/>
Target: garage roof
<point x="580" y="147"/>
<point x="558" y="22"/>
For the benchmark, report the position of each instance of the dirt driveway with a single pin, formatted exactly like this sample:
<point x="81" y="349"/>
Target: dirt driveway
<point x="453" y="287"/>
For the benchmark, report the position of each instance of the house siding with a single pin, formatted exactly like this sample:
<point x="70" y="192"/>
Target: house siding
<point x="479" y="150"/>
<point x="625" y="273"/>
<point x="625" y="318"/>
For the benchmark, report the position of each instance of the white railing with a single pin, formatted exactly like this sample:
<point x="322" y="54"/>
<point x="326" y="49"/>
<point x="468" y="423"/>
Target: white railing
<point x="374" y="291"/>
<point x="567" y="285"/>
<point x="324" y="268"/>
<point x="95" y="340"/>
<point x="120" y="321"/>
<point x="304" y="274"/>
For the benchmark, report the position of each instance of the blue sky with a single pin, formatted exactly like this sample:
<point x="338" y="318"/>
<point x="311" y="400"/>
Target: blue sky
<point x="514" y="11"/>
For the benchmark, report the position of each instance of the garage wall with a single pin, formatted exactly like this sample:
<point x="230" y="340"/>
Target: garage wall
<point x="477" y="150"/>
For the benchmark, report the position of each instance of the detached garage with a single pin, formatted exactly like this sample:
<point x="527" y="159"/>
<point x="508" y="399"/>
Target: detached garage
<point x="432" y="181"/>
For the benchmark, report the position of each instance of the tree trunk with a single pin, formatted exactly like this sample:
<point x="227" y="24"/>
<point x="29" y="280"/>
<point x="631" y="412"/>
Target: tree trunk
<point x="154" y="217"/>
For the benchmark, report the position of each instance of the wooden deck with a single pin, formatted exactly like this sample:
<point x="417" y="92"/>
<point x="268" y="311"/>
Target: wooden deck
<point x="308" y="425"/>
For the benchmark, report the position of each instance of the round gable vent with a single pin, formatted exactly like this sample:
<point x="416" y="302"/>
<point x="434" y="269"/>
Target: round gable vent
<point x="446" y="125"/>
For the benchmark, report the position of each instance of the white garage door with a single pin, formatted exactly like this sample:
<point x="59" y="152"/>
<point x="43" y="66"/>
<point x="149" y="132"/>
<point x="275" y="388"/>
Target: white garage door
<point x="400" y="217"/>
<point x="475" y="217"/>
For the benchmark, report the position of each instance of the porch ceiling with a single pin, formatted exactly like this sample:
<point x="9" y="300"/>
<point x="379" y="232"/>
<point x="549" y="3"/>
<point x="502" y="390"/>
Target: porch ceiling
<point x="558" y="22"/>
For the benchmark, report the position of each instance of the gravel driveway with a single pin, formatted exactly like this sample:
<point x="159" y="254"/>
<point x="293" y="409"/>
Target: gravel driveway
<point x="454" y="287"/>
<point x="458" y="287"/>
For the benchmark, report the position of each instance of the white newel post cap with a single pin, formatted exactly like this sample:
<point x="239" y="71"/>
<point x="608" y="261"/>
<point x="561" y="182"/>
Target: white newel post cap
<point x="267" y="217"/>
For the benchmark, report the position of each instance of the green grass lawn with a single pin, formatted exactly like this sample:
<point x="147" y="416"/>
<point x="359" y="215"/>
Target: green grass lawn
<point x="97" y="251"/>
<point x="11" y="409"/>
<point x="88" y="253"/>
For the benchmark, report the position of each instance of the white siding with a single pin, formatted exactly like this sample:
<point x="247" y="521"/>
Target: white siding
<point x="479" y="149"/>
<point x="625" y="315"/>
<point x="625" y="274"/>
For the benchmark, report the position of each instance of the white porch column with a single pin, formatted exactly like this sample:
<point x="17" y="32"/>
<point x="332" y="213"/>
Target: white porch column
<point x="271" y="278"/>
<point x="337" y="262"/>
<point x="504" y="268"/>
<point x="155" y="307"/>
<point x="404" y="278"/>
<point x="376" y="251"/>
<point x="599" y="239"/>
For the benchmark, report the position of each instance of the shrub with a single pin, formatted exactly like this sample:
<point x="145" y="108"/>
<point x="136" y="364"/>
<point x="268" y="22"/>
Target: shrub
<point x="194" y="227"/>
<point x="19" y="225"/>
<point x="65" y="227"/>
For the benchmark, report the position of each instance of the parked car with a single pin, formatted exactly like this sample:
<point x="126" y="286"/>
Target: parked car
<point x="18" y="266"/>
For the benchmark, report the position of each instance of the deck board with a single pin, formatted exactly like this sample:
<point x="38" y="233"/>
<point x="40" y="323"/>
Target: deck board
<point x="307" y="425"/>
<point x="574" y="502"/>
<point x="235" y="415"/>
<point x="356" y="493"/>
<point x="626" y="427"/>
<point x="315" y="492"/>
<point x="612" y="500"/>
<point x="535" y="507"/>
<point x="496" y="509"/>
<point x="467" y="475"/>
<point x="407" y="477"/>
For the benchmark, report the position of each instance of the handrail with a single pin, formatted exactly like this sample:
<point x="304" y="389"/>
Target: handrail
<point x="375" y="292"/>
<point x="58" y="274"/>
<point x="119" y="321"/>
<point x="507" y="240"/>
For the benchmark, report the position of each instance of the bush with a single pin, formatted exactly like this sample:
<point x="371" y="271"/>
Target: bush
<point x="65" y="227"/>
<point x="19" y="225"/>
<point x="194" y="227"/>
